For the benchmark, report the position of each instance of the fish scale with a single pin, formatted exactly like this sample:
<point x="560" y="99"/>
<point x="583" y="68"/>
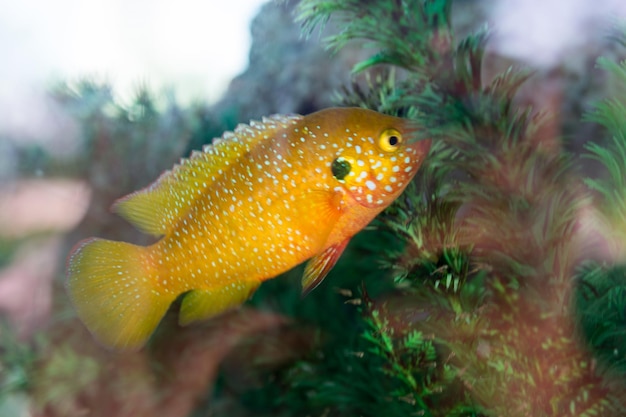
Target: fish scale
<point x="257" y="202"/>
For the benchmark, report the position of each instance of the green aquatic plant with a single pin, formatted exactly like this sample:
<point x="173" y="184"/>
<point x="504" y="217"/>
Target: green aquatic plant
<point x="16" y="360"/>
<point x="609" y="113"/>
<point x="601" y="295"/>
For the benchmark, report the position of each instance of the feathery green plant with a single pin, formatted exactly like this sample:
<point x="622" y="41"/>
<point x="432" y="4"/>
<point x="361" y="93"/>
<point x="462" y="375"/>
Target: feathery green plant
<point x="601" y="295"/>
<point x="601" y="301"/>
<point x="407" y="43"/>
<point x="15" y="361"/>
<point x="610" y="114"/>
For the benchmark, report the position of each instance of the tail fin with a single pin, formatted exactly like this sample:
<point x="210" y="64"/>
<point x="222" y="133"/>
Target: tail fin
<point x="113" y="287"/>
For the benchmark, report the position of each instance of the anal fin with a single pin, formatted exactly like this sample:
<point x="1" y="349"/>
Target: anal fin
<point x="320" y="265"/>
<point x="204" y="304"/>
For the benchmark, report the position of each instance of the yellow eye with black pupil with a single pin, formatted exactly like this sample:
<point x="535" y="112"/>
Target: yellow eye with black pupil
<point x="389" y="140"/>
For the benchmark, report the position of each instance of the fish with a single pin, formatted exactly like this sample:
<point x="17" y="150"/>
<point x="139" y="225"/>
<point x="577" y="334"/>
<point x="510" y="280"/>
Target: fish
<point x="255" y="203"/>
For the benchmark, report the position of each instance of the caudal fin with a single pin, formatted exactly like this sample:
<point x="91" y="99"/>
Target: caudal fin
<point x="112" y="286"/>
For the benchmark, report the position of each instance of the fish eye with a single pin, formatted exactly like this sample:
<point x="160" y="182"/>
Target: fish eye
<point x="340" y="168"/>
<point x="390" y="140"/>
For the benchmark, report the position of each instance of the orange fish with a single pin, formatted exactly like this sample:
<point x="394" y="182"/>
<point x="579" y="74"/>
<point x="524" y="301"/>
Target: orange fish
<point x="255" y="203"/>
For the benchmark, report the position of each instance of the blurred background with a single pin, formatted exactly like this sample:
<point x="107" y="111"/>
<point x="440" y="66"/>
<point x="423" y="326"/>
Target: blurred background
<point x="97" y="98"/>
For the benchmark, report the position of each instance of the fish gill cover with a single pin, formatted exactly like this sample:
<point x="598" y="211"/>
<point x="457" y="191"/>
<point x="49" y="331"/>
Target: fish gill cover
<point x="494" y="286"/>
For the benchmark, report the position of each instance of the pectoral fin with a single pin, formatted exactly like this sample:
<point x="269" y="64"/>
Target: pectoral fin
<point x="320" y="265"/>
<point x="201" y="304"/>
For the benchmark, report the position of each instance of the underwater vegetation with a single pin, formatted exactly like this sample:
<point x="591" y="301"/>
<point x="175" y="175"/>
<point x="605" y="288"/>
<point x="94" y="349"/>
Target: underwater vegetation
<point x="495" y="285"/>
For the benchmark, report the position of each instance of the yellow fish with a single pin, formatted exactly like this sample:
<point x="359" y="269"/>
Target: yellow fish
<point x="255" y="203"/>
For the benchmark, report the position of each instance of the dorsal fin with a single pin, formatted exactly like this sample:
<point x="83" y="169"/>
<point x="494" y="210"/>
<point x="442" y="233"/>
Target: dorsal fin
<point x="156" y="208"/>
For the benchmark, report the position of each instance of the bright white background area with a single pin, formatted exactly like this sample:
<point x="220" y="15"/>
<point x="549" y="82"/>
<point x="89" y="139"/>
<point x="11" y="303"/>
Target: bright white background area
<point x="194" y="47"/>
<point x="544" y="32"/>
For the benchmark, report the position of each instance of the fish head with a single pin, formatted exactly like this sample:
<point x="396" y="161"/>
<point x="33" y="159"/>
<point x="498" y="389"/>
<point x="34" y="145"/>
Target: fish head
<point x="377" y="157"/>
